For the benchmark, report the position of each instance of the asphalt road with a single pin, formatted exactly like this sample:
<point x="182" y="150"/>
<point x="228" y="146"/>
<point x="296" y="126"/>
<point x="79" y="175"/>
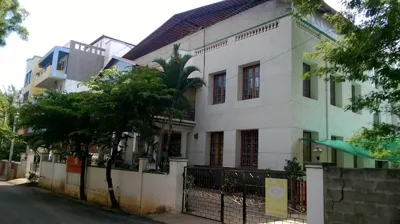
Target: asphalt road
<point x="23" y="204"/>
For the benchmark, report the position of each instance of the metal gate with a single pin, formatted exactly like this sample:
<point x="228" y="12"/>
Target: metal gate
<point x="238" y="196"/>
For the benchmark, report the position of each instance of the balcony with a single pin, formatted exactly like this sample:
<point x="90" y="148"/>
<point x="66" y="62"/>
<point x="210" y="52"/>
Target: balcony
<point x="48" y="76"/>
<point x="53" y="68"/>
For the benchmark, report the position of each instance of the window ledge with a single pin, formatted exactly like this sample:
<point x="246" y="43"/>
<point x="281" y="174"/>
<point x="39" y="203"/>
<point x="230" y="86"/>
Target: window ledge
<point x="337" y="106"/>
<point x="310" y="98"/>
<point x="249" y="99"/>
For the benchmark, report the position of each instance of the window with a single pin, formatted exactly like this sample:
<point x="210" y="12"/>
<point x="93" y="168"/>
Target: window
<point x="28" y="78"/>
<point x="249" y="154"/>
<point x="307" y="152"/>
<point x="355" y="91"/>
<point x="377" y="118"/>
<point x="353" y="97"/>
<point x="306" y="82"/>
<point x="333" y="91"/>
<point x="219" y="88"/>
<point x="334" y="151"/>
<point x="61" y="65"/>
<point x="381" y="164"/>
<point x="251" y="82"/>
<point x="217" y="145"/>
<point x="355" y="162"/>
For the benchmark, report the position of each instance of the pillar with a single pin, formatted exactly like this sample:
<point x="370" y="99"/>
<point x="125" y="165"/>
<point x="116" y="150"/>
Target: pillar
<point x="43" y="156"/>
<point x="184" y="140"/>
<point x="315" y="192"/>
<point x="176" y="169"/>
<point x="129" y="149"/>
<point x="231" y="150"/>
<point x="142" y="166"/>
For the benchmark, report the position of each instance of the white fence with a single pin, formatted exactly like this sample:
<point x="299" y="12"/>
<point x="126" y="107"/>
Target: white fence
<point x="138" y="192"/>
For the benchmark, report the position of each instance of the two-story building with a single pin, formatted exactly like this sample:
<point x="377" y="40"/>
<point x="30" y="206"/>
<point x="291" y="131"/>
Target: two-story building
<point x="256" y="107"/>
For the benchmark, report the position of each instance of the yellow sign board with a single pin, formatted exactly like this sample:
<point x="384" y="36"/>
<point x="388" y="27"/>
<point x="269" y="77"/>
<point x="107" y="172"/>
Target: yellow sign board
<point x="276" y="197"/>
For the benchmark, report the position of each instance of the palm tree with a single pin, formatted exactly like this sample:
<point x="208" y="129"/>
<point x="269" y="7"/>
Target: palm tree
<point x="176" y="76"/>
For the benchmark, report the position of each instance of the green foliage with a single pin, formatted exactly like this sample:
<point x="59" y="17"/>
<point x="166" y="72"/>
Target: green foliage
<point x="5" y="130"/>
<point x="176" y="76"/>
<point x="8" y="111"/>
<point x="127" y="101"/>
<point x="11" y="17"/>
<point x="117" y="103"/>
<point x="60" y="122"/>
<point x="368" y="50"/>
<point x="19" y="147"/>
<point x="293" y="168"/>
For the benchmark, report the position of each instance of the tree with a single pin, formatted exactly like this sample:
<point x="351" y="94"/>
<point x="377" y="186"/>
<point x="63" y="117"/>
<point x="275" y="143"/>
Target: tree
<point x="11" y="17"/>
<point x="124" y="102"/>
<point x="61" y="122"/>
<point x="19" y="147"/>
<point x="8" y="112"/>
<point x="176" y="76"/>
<point x="367" y="51"/>
<point x="5" y="130"/>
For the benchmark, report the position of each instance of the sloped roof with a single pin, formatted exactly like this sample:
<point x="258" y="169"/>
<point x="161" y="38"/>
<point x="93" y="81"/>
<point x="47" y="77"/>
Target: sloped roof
<point x="185" y="23"/>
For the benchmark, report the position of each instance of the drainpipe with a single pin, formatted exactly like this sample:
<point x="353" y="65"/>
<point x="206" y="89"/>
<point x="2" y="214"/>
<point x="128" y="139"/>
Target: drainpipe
<point x="326" y="112"/>
<point x="204" y="51"/>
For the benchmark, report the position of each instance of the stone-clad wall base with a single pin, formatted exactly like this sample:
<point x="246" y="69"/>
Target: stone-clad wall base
<point x="362" y="195"/>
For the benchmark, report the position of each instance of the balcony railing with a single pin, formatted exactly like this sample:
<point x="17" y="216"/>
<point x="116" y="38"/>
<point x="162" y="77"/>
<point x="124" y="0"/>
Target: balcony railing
<point x="42" y="71"/>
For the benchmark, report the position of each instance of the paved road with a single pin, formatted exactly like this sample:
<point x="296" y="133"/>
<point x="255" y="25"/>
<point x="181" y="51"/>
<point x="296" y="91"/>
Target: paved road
<point x="22" y="204"/>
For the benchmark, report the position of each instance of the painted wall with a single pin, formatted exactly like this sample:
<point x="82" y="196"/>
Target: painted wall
<point x="138" y="192"/>
<point x="115" y="48"/>
<point x="84" y="61"/>
<point x="281" y="113"/>
<point x="32" y="65"/>
<point x="71" y="86"/>
<point x="318" y="115"/>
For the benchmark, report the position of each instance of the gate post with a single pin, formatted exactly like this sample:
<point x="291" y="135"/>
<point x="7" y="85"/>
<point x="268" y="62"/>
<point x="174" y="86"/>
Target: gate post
<point x="315" y="193"/>
<point x="244" y="198"/>
<point x="184" y="187"/>
<point x="176" y="168"/>
<point x="222" y="196"/>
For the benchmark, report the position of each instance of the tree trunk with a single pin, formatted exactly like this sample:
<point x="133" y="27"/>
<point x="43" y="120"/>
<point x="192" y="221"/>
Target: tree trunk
<point x="82" y="192"/>
<point x="110" y="163"/>
<point x="171" y="117"/>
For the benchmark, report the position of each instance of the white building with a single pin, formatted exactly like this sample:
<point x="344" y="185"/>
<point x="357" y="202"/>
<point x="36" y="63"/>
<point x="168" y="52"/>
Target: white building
<point x="247" y="120"/>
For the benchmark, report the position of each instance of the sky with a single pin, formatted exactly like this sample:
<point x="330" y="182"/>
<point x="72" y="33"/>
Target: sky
<point x="55" y="22"/>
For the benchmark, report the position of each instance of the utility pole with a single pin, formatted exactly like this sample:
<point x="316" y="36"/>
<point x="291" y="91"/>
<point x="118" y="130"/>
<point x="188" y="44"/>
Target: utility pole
<point x="12" y="141"/>
<point x="11" y="148"/>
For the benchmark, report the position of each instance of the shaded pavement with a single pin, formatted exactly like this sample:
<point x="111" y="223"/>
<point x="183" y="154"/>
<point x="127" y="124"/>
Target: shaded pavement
<point x="23" y="204"/>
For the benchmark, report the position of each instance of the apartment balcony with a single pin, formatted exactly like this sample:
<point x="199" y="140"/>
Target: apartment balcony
<point x="53" y="68"/>
<point x="48" y="77"/>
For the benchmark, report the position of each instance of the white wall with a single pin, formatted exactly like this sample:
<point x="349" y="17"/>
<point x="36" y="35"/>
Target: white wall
<point x="281" y="113"/>
<point x="115" y="48"/>
<point x="314" y="115"/>
<point x="137" y="192"/>
<point x="46" y="170"/>
<point x="71" y="86"/>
